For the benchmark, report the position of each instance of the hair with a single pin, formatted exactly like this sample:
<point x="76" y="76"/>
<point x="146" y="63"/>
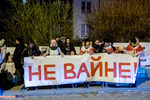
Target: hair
<point x="66" y="41"/>
<point x="96" y="40"/>
<point x="133" y="40"/>
<point x="86" y="40"/>
<point x="7" y="55"/>
<point x="19" y="39"/>
<point x="58" y="36"/>
<point x="31" y="41"/>
<point x="106" y="40"/>
<point x="73" y="51"/>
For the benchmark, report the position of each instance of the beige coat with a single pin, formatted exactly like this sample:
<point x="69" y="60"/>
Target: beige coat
<point x="10" y="69"/>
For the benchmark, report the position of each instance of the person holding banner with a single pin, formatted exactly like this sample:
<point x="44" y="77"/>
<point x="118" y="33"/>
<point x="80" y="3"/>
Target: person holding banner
<point x="31" y="50"/>
<point x="54" y="49"/>
<point x="96" y="46"/>
<point x="107" y="46"/>
<point x="134" y="48"/>
<point x="86" y="48"/>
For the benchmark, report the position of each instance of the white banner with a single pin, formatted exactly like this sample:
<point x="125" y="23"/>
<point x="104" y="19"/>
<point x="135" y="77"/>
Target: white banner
<point x="55" y="70"/>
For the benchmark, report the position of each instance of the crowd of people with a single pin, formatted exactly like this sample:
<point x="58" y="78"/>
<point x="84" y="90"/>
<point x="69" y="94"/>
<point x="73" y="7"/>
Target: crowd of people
<point x="12" y="65"/>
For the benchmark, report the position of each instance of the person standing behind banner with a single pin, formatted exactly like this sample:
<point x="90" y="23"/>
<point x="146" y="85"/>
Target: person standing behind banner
<point x="68" y="47"/>
<point x="17" y="60"/>
<point x="60" y="44"/>
<point x="86" y="48"/>
<point x="31" y="50"/>
<point x="72" y="53"/>
<point x="107" y="47"/>
<point x="96" y="46"/>
<point x="134" y="48"/>
<point x="54" y="49"/>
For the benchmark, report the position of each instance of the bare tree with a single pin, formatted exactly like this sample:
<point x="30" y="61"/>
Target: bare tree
<point x="121" y="20"/>
<point x="40" y="21"/>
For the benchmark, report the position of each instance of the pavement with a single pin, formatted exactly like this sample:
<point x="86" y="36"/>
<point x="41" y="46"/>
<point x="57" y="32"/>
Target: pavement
<point x="143" y="85"/>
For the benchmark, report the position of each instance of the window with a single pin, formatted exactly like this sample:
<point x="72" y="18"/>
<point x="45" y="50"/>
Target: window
<point x="84" y="30"/>
<point x="83" y="7"/>
<point x="86" y="7"/>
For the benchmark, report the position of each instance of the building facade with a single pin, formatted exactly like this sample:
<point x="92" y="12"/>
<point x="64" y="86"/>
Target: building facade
<point x="80" y="10"/>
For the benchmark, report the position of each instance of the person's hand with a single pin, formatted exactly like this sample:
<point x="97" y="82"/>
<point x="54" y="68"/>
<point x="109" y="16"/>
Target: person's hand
<point x="62" y="54"/>
<point x="80" y="54"/>
<point x="136" y="55"/>
<point x="44" y="54"/>
<point x="88" y="52"/>
<point x="132" y="54"/>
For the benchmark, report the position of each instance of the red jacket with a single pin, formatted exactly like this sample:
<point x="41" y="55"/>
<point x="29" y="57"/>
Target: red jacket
<point x="138" y="49"/>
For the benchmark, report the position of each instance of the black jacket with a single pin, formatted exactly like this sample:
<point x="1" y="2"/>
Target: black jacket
<point x="61" y="45"/>
<point x="102" y="48"/>
<point x="71" y="48"/>
<point x="97" y="48"/>
<point x="17" y="55"/>
<point x="31" y="52"/>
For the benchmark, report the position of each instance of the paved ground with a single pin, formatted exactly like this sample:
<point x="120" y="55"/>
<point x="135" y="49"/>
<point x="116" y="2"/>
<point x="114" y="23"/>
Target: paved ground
<point x="95" y="92"/>
<point x="141" y="95"/>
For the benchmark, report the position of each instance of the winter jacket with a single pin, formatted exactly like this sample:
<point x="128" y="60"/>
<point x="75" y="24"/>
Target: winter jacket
<point x="17" y="55"/>
<point x="10" y="70"/>
<point x="31" y="52"/>
<point x="89" y="50"/>
<point x="61" y="45"/>
<point x="138" y="50"/>
<point x="54" y="51"/>
<point x="108" y="49"/>
<point x="96" y="48"/>
<point x="68" y="49"/>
